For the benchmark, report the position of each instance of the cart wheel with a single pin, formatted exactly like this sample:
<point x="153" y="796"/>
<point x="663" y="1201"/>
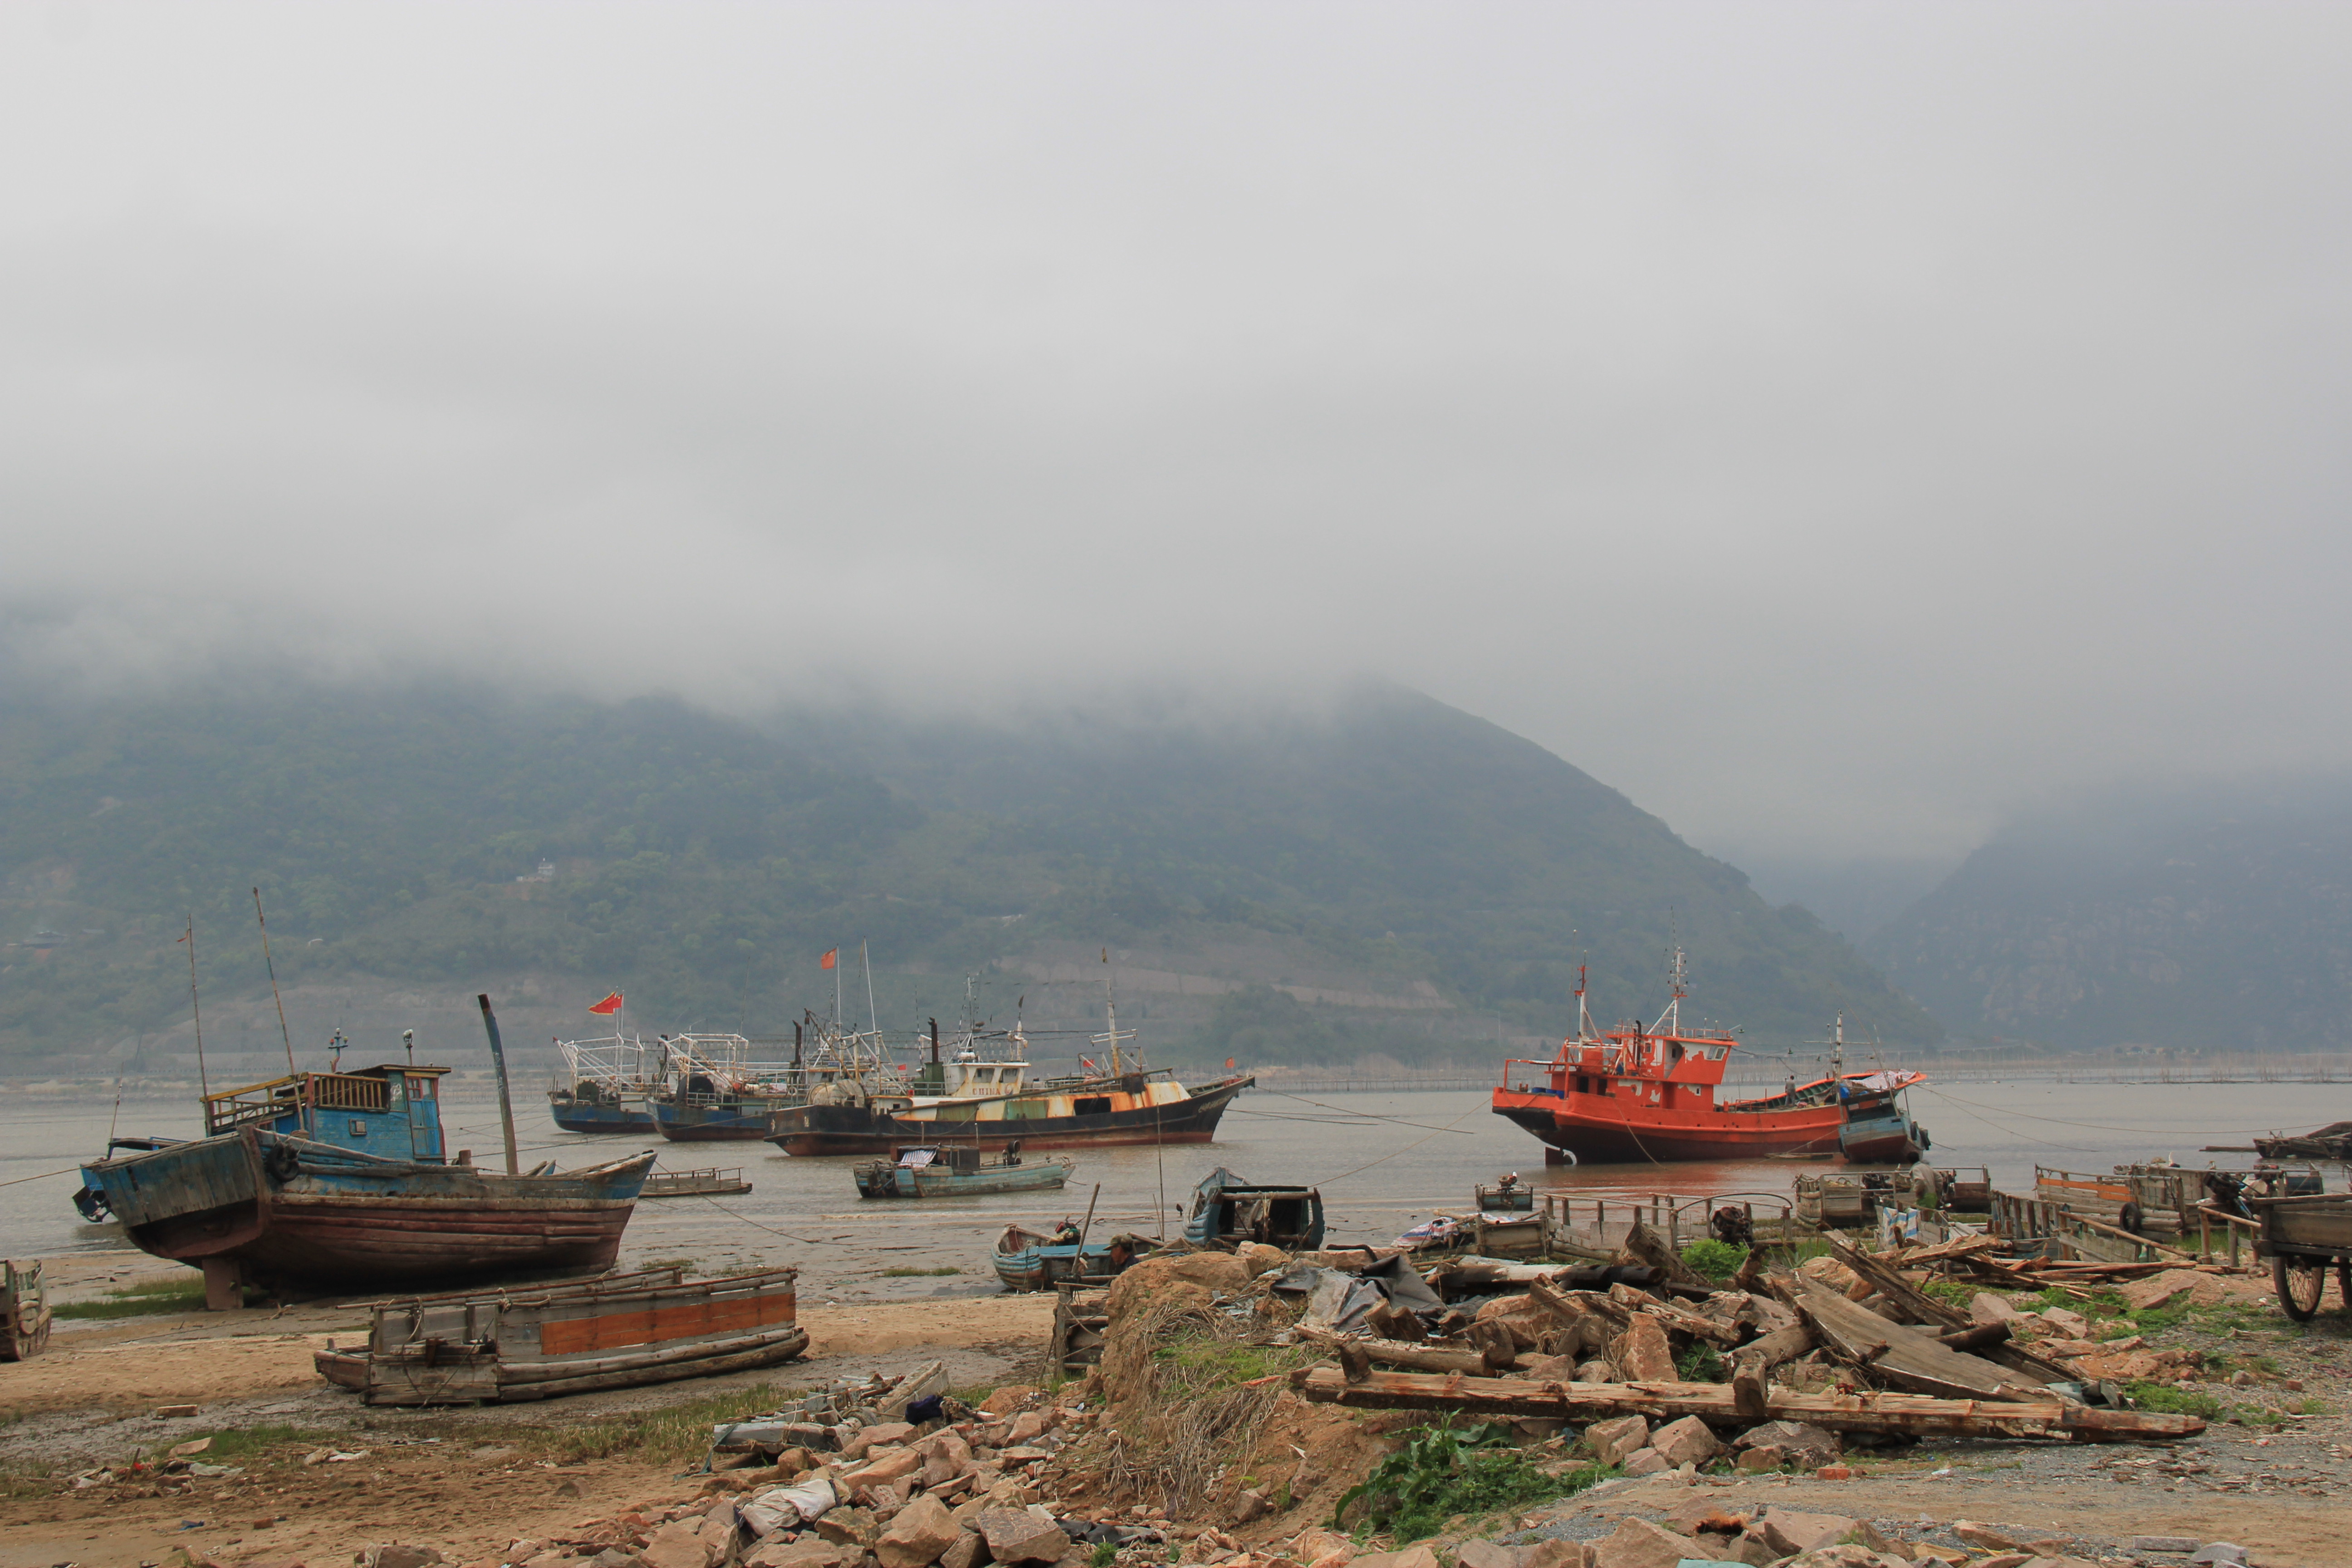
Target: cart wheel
<point x="2301" y="1282"/>
<point x="2129" y="1219"/>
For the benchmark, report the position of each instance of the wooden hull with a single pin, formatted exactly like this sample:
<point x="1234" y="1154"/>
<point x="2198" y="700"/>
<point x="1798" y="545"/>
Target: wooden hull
<point x="578" y="1116"/>
<point x="291" y="1213"/>
<point x="860" y="1130"/>
<point x="900" y="1182"/>
<point x="726" y="1123"/>
<point x="1608" y="1129"/>
<point x="618" y="1333"/>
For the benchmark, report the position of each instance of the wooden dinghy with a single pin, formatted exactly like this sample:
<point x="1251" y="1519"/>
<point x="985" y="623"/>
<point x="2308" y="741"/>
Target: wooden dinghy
<point x="505" y="1347"/>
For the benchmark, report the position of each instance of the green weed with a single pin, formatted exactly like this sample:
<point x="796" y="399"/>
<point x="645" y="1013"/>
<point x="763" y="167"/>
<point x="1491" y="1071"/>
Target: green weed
<point x="253" y="1442"/>
<point x="137" y="1300"/>
<point x="1104" y="1554"/>
<point x="1444" y="1470"/>
<point x="1701" y="1363"/>
<point x="2165" y="1398"/>
<point x="1718" y="1260"/>
<point x="1206" y="1365"/>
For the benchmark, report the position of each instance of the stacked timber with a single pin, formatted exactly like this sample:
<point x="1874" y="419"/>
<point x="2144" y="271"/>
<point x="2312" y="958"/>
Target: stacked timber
<point x="614" y="1332"/>
<point x="1848" y="1343"/>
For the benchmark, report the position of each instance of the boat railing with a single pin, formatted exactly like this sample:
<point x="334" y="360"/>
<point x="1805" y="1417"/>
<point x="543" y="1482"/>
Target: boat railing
<point x="234" y="1108"/>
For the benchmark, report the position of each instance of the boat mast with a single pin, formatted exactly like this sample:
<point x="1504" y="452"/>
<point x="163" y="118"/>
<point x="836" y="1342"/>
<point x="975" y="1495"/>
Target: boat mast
<point x="1112" y="1036"/>
<point x="1670" y="1021"/>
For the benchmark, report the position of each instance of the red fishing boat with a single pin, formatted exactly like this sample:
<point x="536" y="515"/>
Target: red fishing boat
<point x="1643" y="1094"/>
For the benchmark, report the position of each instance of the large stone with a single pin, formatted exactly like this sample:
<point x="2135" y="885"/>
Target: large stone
<point x="1767" y="1457"/>
<point x="1611" y="1440"/>
<point x="1485" y="1555"/>
<point x="1685" y="1442"/>
<point x="880" y="1470"/>
<point x="2072" y="1324"/>
<point x="1642" y="1352"/>
<point x="1646" y="1462"/>
<point x="808" y="1552"/>
<point x="1638" y="1543"/>
<point x="1785" y="1531"/>
<point x="967" y="1551"/>
<point x="1985" y="1537"/>
<point x="851" y="1527"/>
<point x="395" y="1555"/>
<point x="1829" y="1271"/>
<point x="1410" y="1557"/>
<point x="946" y="1444"/>
<point x="1502" y="1307"/>
<point x="922" y="1530"/>
<point x="1878" y="1541"/>
<point x="1595" y="1369"/>
<point x="677" y="1544"/>
<point x="1800" y="1443"/>
<point x="1557" y="1554"/>
<point x="1027" y="1427"/>
<point x="882" y="1434"/>
<point x="1016" y="1535"/>
<point x="1847" y="1556"/>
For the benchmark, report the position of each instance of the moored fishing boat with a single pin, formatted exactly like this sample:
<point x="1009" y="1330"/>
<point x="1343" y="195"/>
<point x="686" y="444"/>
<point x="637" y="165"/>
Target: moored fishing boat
<point x="1878" y="1129"/>
<point x="715" y="1090"/>
<point x="1649" y="1094"/>
<point x="1029" y="1260"/>
<point x="953" y="1171"/>
<point x="338" y="1180"/>
<point x="607" y="1082"/>
<point x="982" y="1097"/>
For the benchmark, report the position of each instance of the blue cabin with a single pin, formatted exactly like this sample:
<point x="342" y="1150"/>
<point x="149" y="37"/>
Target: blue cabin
<point x="392" y="1111"/>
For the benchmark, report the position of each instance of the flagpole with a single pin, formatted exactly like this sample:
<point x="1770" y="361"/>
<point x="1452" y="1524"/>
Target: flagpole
<point x="873" y="1024"/>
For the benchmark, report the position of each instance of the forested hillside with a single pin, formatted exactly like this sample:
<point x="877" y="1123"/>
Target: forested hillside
<point x="2220" y="920"/>
<point x="433" y="838"/>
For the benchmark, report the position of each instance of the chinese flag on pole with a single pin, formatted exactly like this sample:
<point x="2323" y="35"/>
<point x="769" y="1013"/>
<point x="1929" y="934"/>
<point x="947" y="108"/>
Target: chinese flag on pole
<point x="1229" y="1064"/>
<point x="830" y="954"/>
<point x="610" y="1005"/>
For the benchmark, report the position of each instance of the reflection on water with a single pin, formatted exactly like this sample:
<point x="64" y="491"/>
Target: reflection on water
<point x="1384" y="1161"/>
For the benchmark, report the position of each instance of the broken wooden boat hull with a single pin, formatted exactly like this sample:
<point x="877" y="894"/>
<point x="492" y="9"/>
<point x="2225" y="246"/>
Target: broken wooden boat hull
<point x="1028" y="1261"/>
<point x="1229" y="1210"/>
<point x="621" y="1332"/>
<point x="282" y="1211"/>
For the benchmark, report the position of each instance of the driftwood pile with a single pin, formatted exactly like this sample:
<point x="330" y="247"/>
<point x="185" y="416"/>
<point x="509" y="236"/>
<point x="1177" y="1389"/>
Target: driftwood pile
<point x="1849" y="1344"/>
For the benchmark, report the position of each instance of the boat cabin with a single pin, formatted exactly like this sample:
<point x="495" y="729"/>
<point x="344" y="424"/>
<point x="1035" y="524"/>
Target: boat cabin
<point x="392" y="1110"/>
<point x="1227" y="1208"/>
<point x="956" y="1159"/>
<point x="967" y="1077"/>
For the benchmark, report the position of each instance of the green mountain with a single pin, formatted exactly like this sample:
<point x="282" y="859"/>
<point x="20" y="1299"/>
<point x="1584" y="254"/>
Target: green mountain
<point x="1386" y="876"/>
<point x="2208" y="920"/>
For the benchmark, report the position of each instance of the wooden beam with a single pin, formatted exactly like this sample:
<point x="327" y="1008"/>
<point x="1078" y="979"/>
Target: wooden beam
<point x="1718" y="1404"/>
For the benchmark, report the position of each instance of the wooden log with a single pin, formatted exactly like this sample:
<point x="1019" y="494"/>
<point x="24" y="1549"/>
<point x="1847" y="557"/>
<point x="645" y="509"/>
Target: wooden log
<point x="1778" y="1346"/>
<point x="1925" y="1308"/>
<point x="1397" y="1353"/>
<point x="1716" y="1404"/>
<point x="1751" y="1394"/>
<point x="1696" y="1325"/>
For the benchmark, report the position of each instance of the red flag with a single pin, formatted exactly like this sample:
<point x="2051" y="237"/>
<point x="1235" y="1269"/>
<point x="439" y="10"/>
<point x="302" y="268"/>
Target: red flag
<point x="610" y="1005"/>
<point x="1089" y="1066"/>
<point x="1229" y="1064"/>
<point x="830" y="954"/>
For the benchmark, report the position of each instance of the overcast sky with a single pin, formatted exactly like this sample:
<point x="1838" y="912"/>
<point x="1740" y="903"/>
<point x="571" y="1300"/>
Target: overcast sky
<point x="1833" y="425"/>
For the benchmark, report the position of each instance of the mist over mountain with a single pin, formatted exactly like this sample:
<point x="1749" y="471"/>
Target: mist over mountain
<point x="1381" y="876"/>
<point x="2215" y="916"/>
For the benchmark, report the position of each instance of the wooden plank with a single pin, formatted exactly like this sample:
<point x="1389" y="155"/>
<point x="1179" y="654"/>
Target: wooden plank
<point x="1716" y="1404"/>
<point x="1906" y="1357"/>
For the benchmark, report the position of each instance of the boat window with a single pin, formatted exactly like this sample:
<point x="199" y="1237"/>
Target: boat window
<point x="1091" y="1105"/>
<point x="359" y="1128"/>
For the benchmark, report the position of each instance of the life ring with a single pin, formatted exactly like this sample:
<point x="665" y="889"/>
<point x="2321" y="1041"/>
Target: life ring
<point x="282" y="1162"/>
<point x="2129" y="1219"/>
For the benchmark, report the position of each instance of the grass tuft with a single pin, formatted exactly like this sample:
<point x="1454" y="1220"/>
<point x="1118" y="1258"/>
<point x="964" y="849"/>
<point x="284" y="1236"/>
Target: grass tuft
<point x="1444" y="1470"/>
<point x="674" y="1434"/>
<point x="904" y="1273"/>
<point x="138" y="1301"/>
<point x="2168" y="1400"/>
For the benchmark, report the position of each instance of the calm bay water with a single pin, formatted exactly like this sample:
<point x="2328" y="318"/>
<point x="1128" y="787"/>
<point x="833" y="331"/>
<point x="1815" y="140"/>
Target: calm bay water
<point x="1382" y="1160"/>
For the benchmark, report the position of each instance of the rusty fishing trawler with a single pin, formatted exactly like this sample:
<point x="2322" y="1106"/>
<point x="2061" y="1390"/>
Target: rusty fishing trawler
<point x="1635" y="1094"/>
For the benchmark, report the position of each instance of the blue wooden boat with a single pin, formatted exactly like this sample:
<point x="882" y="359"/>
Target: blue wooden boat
<point x="1026" y="1260"/>
<point x="1229" y="1210"/>
<point x="338" y="1181"/>
<point x="594" y="1108"/>
<point x="931" y="1170"/>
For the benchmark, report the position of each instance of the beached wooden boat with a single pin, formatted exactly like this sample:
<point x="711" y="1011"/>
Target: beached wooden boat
<point x="24" y="1310"/>
<point x="930" y="1171"/>
<point x="1026" y="1260"/>
<point x="619" y="1332"/>
<point x="338" y="1182"/>
<point x="1229" y="1210"/>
